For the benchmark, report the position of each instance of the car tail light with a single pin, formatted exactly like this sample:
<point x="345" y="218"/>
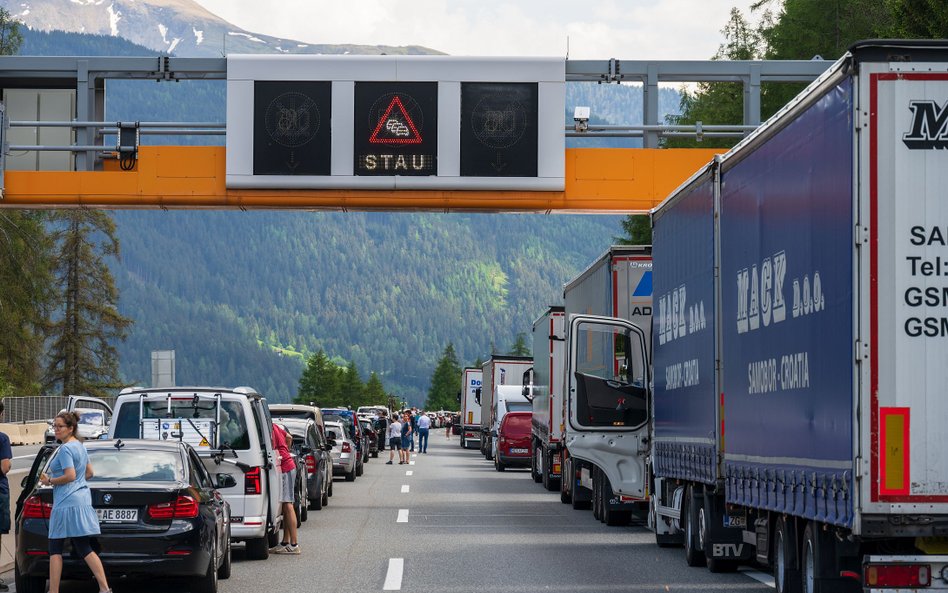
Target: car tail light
<point x="346" y="448"/>
<point x="898" y="575"/>
<point x="35" y="508"/>
<point x="184" y="507"/>
<point x="310" y="464"/>
<point x="252" y="481"/>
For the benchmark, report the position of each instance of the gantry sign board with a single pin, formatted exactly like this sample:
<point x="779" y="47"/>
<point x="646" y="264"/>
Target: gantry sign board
<point x="395" y="122"/>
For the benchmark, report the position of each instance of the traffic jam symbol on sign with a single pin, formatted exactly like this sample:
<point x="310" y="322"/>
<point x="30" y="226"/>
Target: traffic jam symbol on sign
<point x="397" y="127"/>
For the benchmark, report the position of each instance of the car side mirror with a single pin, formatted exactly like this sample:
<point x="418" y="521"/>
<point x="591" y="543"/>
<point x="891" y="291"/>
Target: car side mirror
<point x="225" y="481"/>
<point x="331" y="442"/>
<point x="24" y="481"/>
<point x="329" y="446"/>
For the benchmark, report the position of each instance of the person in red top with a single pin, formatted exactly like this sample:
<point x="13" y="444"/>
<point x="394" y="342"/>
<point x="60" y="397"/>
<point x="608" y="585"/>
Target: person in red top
<point x="289" y="543"/>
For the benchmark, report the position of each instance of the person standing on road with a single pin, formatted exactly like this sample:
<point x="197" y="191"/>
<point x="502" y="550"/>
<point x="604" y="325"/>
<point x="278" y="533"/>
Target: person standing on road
<point x="413" y="418"/>
<point x="424" y="425"/>
<point x="289" y="544"/>
<point x="72" y="516"/>
<point x="403" y="454"/>
<point x="382" y="427"/>
<point x="394" y="436"/>
<point x="6" y="455"/>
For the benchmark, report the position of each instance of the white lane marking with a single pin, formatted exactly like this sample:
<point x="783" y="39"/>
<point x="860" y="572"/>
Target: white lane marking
<point x="393" y="578"/>
<point x="404" y="488"/>
<point x="411" y="463"/>
<point x="409" y="472"/>
<point x="761" y="577"/>
<point x="402" y="516"/>
<point x="24" y="457"/>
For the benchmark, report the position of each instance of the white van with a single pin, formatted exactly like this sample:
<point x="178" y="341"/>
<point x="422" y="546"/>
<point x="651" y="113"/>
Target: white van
<point x="507" y="398"/>
<point x="231" y="431"/>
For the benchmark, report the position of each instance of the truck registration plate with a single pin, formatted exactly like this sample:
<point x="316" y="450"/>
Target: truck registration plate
<point x="117" y="515"/>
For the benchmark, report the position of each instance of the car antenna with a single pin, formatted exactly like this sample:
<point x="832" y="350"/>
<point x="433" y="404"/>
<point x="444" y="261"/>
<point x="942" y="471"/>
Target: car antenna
<point x="119" y="444"/>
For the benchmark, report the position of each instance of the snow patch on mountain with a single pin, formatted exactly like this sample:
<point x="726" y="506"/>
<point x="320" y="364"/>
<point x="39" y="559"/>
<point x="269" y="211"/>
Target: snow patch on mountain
<point x="114" y="17"/>
<point x="198" y="35"/>
<point x="247" y="35"/>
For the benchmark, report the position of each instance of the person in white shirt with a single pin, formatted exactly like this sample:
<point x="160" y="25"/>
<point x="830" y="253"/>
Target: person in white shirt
<point x="394" y="439"/>
<point x="424" y="423"/>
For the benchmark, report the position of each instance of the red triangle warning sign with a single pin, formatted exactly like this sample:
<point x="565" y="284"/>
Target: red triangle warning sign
<point x="395" y="126"/>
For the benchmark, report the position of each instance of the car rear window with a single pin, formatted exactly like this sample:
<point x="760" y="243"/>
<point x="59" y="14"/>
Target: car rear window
<point x="233" y="427"/>
<point x="517" y="424"/>
<point x="135" y="465"/>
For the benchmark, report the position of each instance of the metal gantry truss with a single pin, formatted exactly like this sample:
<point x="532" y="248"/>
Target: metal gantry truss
<point x="88" y="76"/>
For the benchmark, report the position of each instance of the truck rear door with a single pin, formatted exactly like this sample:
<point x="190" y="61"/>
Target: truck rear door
<point x="608" y="399"/>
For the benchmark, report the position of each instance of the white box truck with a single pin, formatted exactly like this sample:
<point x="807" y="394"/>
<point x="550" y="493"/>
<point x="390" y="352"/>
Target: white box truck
<point x="546" y="391"/>
<point x="470" y="407"/>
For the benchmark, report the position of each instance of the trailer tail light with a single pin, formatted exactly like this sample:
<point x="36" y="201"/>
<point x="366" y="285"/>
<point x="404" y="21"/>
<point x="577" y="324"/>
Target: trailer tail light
<point x="35" y="508"/>
<point x="346" y="448"/>
<point x="252" y="481"/>
<point x="898" y="575"/>
<point x="310" y="464"/>
<point x="184" y="507"/>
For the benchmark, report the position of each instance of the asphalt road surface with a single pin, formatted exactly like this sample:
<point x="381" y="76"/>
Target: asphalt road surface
<point x="451" y="523"/>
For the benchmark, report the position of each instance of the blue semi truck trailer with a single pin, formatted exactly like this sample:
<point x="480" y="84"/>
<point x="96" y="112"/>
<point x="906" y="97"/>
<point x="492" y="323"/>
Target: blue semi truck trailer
<point x="800" y="338"/>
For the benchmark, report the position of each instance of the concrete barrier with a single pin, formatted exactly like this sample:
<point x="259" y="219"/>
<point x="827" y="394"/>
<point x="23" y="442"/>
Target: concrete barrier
<point x="29" y="433"/>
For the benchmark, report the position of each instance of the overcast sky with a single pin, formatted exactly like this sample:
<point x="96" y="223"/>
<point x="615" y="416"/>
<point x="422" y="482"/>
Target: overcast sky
<point x="596" y="29"/>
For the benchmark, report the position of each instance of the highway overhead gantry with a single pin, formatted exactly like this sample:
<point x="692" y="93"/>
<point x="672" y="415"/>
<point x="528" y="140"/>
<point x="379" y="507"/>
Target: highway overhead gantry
<point x="436" y="133"/>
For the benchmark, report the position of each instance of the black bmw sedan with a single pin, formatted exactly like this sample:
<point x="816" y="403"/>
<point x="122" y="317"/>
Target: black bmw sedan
<point x="159" y="511"/>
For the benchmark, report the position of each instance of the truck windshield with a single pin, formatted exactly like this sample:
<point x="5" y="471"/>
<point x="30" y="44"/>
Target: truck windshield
<point x="610" y="377"/>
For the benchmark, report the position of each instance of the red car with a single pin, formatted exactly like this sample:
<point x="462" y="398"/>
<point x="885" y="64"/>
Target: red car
<point x="513" y="441"/>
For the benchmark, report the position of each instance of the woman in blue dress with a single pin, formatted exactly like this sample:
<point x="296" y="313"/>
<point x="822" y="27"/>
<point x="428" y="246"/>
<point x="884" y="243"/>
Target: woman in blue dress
<point x="72" y="516"/>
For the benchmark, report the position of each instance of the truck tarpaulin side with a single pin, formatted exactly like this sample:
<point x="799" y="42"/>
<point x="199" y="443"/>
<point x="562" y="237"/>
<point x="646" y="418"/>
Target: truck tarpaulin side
<point x="787" y="316"/>
<point x="685" y="430"/>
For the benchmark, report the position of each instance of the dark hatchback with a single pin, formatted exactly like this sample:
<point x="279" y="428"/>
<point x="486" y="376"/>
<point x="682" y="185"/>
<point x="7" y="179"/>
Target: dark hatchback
<point x="159" y="511"/>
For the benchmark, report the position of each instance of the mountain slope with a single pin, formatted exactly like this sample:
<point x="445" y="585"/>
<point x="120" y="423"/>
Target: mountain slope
<point x="181" y="27"/>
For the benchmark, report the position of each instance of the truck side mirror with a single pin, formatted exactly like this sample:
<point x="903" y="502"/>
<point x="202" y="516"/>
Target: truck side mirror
<point x="459" y="397"/>
<point x="477" y="395"/>
<point x="527" y="382"/>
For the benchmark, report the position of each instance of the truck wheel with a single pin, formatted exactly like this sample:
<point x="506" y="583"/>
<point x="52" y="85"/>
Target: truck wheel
<point x="565" y="496"/>
<point x="786" y="566"/>
<point x="818" y="562"/>
<point x="694" y="554"/>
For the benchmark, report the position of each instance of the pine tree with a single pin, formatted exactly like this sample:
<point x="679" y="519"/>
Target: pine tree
<point x="520" y="347"/>
<point x="351" y="389"/>
<point x="638" y="230"/>
<point x="27" y="293"/>
<point x="26" y="282"/>
<point x="82" y="356"/>
<point x="320" y="382"/>
<point x="374" y="392"/>
<point x="445" y="382"/>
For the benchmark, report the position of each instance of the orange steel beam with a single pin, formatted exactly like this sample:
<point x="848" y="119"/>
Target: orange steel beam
<point x="597" y="180"/>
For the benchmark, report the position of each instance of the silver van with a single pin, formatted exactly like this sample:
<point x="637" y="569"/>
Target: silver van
<point x="230" y="428"/>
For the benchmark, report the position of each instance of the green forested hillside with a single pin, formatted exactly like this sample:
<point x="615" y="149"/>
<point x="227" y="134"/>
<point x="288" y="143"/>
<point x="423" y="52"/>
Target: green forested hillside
<point x="388" y="291"/>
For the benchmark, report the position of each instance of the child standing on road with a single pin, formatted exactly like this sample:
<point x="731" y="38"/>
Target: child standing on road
<point x="394" y="440"/>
